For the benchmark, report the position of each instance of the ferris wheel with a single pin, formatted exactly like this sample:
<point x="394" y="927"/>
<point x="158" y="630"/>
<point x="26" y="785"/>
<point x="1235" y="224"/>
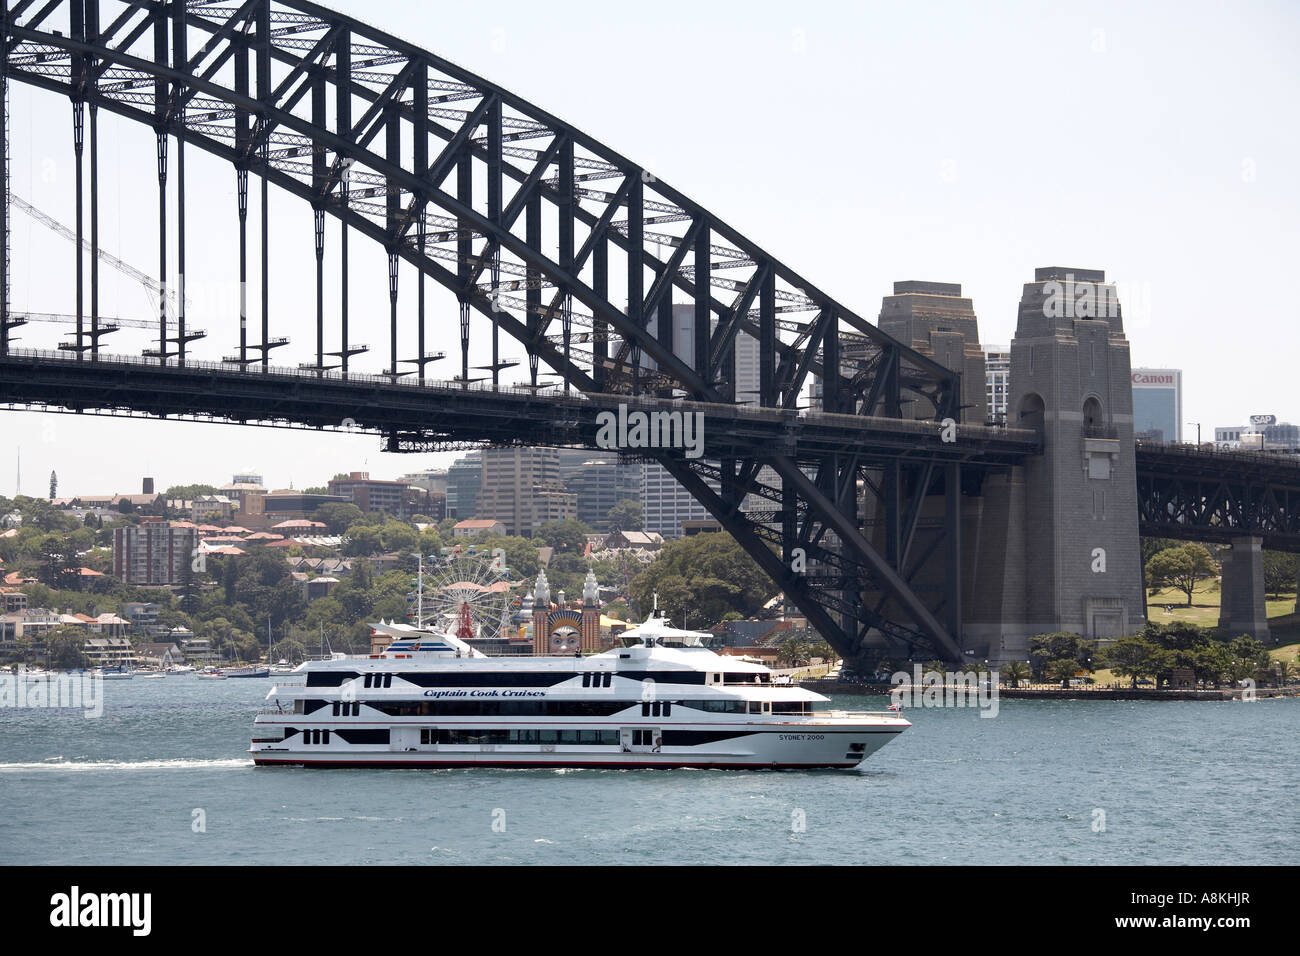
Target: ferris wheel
<point x="468" y="595"/>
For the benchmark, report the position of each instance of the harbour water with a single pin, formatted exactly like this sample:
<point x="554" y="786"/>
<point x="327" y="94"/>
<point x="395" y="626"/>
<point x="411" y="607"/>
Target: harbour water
<point x="163" y="777"/>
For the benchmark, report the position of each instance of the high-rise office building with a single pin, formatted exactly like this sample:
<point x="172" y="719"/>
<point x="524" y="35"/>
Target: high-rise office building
<point x="522" y="489"/>
<point x="464" y="479"/>
<point x="599" y="485"/>
<point x="665" y="503"/>
<point x="997" y="378"/>
<point x="1158" y="403"/>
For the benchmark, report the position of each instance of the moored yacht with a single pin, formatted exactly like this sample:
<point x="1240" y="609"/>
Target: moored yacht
<point x="431" y="700"/>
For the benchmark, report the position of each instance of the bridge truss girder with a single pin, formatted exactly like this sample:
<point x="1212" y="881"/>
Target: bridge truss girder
<point x="1198" y="495"/>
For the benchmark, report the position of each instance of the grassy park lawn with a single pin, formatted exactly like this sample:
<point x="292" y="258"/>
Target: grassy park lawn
<point x="1283" y="621"/>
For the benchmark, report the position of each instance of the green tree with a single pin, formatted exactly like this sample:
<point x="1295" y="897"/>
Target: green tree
<point x="324" y="612"/>
<point x="627" y="515"/>
<point x="793" y="651"/>
<point x="1014" y="672"/>
<point x="568" y="536"/>
<point x="1061" y="645"/>
<point x="1181" y="567"/>
<point x="1176" y="635"/>
<point x="1212" y="663"/>
<point x="521" y="557"/>
<point x="1248" y="658"/>
<point x="59" y="563"/>
<point x="1133" y="657"/>
<point x="337" y="517"/>
<point x="362" y="540"/>
<point x="1280" y="570"/>
<point x="1062" y="669"/>
<point x="430" y="542"/>
<point x="1150" y="547"/>
<point x="64" y="648"/>
<point x="399" y="537"/>
<point x="701" y="579"/>
<point x="190" y="492"/>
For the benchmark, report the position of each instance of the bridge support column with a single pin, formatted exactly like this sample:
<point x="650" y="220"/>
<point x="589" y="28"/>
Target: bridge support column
<point x="1242" y="609"/>
<point x="1072" y="537"/>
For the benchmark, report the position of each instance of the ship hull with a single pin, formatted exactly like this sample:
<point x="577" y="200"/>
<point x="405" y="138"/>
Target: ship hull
<point x="780" y="748"/>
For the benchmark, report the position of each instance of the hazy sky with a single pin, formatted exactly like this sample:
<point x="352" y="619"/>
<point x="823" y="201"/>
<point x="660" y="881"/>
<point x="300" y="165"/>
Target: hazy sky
<point x="860" y="143"/>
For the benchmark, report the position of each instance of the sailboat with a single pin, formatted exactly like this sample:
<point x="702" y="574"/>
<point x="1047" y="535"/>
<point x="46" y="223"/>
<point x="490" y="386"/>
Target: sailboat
<point x="251" y="670"/>
<point x="255" y="670"/>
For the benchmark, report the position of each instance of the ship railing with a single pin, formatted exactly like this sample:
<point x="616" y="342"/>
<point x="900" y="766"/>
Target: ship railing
<point x="844" y="714"/>
<point x="275" y="712"/>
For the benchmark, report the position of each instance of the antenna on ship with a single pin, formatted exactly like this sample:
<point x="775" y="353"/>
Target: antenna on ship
<point x="419" y="590"/>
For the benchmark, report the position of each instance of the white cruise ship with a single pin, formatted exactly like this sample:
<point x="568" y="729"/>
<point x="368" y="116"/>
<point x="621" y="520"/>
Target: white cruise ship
<point x="431" y="700"/>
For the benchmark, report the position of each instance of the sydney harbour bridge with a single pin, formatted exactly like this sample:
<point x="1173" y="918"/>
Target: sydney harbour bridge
<point x="886" y="508"/>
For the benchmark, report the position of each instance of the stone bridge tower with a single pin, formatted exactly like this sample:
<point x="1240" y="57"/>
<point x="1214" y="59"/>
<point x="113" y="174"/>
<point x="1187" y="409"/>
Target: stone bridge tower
<point x="1059" y="548"/>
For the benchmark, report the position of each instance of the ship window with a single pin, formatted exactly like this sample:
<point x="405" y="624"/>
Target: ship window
<point x="388" y="680"/>
<point x="788" y="707"/>
<point x="719" y="706"/>
<point x="645" y="708"/>
<point x="335" y="711"/>
<point x="369" y="678"/>
<point x="325" y="736"/>
<point x="655" y="709"/>
<point x="608" y="678"/>
<point x="586" y="680"/>
<point x="668" y="708"/>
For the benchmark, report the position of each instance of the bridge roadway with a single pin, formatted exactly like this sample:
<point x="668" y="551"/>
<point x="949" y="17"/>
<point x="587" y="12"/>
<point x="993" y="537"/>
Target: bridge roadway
<point x="429" y="415"/>
<point x="1204" y="494"/>
<point x="1183" y="491"/>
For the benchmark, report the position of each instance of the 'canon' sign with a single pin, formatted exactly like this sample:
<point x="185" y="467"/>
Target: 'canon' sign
<point x="1147" y="378"/>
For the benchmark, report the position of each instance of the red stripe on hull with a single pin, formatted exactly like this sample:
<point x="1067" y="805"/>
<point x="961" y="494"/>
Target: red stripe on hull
<point x="407" y="764"/>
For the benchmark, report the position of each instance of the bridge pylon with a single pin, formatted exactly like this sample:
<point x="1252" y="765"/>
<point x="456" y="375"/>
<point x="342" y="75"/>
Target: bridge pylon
<point x="1242" y="608"/>
<point x="1059" y="538"/>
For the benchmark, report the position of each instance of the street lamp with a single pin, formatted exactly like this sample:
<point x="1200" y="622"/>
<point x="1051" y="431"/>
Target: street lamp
<point x="419" y="589"/>
<point x="1198" y="432"/>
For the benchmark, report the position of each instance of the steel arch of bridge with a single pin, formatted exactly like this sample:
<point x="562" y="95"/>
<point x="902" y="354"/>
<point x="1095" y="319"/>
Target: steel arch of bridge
<point x="530" y="222"/>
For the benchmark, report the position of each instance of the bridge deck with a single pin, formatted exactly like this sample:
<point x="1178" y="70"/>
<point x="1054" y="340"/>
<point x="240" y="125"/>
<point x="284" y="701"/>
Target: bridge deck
<point x="424" y="415"/>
